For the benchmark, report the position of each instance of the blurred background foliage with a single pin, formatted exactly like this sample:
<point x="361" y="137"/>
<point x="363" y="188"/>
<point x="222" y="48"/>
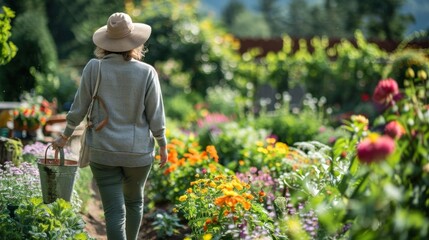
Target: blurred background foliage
<point x="201" y="69"/>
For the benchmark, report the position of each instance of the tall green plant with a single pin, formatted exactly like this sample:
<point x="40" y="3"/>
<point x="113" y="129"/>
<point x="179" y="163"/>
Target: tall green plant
<point x="384" y="193"/>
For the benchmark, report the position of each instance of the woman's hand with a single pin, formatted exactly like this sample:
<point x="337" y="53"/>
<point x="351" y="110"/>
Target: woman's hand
<point x="60" y="142"/>
<point x="164" y="156"/>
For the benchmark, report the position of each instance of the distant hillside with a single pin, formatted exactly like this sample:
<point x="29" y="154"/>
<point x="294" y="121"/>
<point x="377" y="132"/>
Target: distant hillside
<point x="418" y="8"/>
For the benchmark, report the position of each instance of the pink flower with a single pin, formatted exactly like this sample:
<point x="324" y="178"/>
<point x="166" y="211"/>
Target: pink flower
<point x="385" y="91"/>
<point x="394" y="129"/>
<point x="375" y="148"/>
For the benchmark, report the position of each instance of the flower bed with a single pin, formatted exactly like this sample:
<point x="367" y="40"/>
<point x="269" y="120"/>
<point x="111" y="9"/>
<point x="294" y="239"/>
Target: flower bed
<point x="371" y="183"/>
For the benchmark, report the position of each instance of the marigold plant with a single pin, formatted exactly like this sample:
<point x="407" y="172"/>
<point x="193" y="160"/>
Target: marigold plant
<point x="185" y="161"/>
<point x="223" y="206"/>
<point x="278" y="157"/>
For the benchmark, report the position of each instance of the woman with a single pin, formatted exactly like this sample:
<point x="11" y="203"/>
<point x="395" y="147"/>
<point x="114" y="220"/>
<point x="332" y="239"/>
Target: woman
<point x="122" y="152"/>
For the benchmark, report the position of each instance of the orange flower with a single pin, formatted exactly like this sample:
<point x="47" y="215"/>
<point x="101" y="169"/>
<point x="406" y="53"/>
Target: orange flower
<point x="248" y="196"/>
<point x="231" y="201"/>
<point x="170" y="169"/>
<point x="213" y="153"/>
<point x="271" y="140"/>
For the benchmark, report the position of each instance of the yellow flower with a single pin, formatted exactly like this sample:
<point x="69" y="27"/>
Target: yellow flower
<point x="183" y="198"/>
<point x="426" y="168"/>
<point x="189" y="190"/>
<point x="229" y="193"/>
<point x="237" y="185"/>
<point x="373" y="137"/>
<point x="360" y="119"/>
<point x="271" y="140"/>
<point x="187" y="238"/>
<point x="207" y="236"/>
<point x="227" y="186"/>
<point x="422" y="75"/>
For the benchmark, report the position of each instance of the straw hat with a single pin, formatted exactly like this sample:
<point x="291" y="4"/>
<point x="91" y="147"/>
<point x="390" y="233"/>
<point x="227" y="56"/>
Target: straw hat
<point x="121" y="34"/>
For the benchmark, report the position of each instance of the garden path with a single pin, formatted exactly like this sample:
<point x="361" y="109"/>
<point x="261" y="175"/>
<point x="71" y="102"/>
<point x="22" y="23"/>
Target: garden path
<point x="96" y="227"/>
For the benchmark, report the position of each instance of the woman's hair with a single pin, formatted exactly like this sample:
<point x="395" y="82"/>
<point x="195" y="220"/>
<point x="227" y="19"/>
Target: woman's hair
<point x="136" y="53"/>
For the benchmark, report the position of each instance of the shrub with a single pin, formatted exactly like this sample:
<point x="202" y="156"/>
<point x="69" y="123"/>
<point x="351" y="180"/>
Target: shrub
<point x="230" y="139"/>
<point x="294" y="125"/>
<point x="35" y="220"/>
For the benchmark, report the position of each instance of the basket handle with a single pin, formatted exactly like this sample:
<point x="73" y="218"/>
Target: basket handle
<point x="61" y="150"/>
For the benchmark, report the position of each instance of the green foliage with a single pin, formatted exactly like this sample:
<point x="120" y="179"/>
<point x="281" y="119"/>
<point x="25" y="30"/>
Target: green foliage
<point x="8" y="49"/>
<point x="35" y="220"/>
<point x="18" y="183"/>
<point x="215" y="204"/>
<point x="401" y="61"/>
<point x="36" y="49"/>
<point x="231" y="11"/>
<point x="388" y="195"/>
<point x="59" y="85"/>
<point x="202" y="49"/>
<point x="166" y="224"/>
<point x="231" y="139"/>
<point x="294" y="126"/>
<point x="79" y="20"/>
<point x="83" y="188"/>
<point x="250" y="25"/>
<point x="225" y="100"/>
<point x="181" y="108"/>
<point x="14" y="146"/>
<point x="342" y="73"/>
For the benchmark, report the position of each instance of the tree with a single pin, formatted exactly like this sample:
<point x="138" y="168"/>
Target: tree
<point x="182" y="40"/>
<point x="79" y="19"/>
<point x="231" y="11"/>
<point x="299" y="20"/>
<point x="250" y="25"/>
<point x="377" y="19"/>
<point x="274" y="15"/>
<point x="8" y="49"/>
<point x="36" y="48"/>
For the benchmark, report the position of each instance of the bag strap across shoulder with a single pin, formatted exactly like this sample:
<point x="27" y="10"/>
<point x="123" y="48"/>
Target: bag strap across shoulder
<point x="91" y="105"/>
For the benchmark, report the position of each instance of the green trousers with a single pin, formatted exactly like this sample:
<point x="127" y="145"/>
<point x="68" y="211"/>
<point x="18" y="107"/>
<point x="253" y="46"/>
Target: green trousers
<point x="122" y="195"/>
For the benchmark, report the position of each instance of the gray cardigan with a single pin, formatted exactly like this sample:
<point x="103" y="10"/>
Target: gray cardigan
<point x="132" y="94"/>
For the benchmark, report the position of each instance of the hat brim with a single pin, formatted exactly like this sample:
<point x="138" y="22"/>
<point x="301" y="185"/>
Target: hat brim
<point x="138" y="36"/>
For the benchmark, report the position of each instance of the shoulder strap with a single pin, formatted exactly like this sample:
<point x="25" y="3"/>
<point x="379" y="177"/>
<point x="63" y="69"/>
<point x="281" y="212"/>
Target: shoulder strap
<point x="94" y="95"/>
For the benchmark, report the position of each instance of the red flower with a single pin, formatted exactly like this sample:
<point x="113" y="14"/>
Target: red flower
<point x="385" y="91"/>
<point x="364" y="97"/>
<point x="394" y="129"/>
<point x="375" y="148"/>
